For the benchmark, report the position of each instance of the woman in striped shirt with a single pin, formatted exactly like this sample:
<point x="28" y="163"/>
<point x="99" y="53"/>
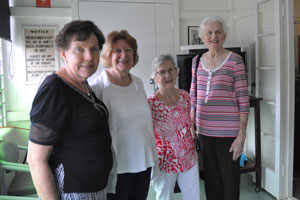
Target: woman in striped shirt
<point x="219" y="109"/>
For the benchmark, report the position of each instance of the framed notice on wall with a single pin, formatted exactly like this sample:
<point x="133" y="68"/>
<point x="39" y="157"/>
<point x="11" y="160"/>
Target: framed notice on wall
<point x="40" y="55"/>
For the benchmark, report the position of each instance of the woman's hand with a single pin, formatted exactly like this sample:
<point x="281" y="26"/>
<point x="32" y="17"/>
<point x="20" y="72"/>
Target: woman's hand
<point x="237" y="146"/>
<point x="192" y="129"/>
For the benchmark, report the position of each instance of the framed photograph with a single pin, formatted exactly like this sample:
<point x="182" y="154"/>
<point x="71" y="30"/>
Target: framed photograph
<point x="193" y="36"/>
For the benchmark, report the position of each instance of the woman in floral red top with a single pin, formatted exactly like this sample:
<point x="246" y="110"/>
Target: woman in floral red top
<point x="174" y="142"/>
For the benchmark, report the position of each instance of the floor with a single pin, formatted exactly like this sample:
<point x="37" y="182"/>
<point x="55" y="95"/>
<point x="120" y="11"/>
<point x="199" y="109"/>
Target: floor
<point x="247" y="191"/>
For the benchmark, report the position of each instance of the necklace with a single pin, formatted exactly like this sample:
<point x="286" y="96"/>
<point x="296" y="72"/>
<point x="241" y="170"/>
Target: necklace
<point x="83" y="88"/>
<point x="96" y="105"/>
<point x="76" y="88"/>
<point x="89" y="97"/>
<point x="68" y="76"/>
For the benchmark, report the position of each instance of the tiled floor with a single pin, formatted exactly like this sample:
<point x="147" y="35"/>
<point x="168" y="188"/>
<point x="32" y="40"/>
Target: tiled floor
<point x="247" y="191"/>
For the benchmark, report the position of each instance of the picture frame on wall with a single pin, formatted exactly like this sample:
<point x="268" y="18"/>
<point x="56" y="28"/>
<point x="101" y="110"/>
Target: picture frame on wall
<point x="193" y="36"/>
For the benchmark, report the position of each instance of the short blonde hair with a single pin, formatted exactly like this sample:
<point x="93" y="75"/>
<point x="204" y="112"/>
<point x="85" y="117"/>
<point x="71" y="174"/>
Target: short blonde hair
<point x="111" y="39"/>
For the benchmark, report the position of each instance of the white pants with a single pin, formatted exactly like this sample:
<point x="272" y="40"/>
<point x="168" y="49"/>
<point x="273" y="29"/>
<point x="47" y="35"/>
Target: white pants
<point x="188" y="182"/>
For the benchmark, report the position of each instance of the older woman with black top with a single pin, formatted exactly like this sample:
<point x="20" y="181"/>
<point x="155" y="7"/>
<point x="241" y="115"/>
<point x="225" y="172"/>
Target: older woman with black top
<point x="69" y="151"/>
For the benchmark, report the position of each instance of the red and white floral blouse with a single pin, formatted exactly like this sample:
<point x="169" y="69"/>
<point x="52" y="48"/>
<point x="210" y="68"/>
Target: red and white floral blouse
<point x="174" y="143"/>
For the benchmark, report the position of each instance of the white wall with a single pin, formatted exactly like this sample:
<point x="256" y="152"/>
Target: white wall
<point x="19" y="93"/>
<point x="191" y="12"/>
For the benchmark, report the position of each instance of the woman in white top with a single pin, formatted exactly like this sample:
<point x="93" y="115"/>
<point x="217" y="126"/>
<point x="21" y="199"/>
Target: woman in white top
<point x="130" y="117"/>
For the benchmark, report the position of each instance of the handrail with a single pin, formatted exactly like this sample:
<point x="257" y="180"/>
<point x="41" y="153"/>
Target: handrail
<point x="4" y="197"/>
<point x="14" y="166"/>
<point x="14" y="127"/>
<point x="21" y="147"/>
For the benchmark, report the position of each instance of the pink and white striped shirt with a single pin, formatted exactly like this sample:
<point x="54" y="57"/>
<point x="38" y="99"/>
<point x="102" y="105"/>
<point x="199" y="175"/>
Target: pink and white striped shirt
<point x="219" y="96"/>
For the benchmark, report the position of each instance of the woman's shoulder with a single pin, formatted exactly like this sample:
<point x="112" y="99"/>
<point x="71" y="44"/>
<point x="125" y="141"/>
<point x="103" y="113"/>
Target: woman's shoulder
<point x="196" y="61"/>
<point x="54" y="88"/>
<point x="183" y="92"/>
<point x="138" y="84"/>
<point x="184" y="95"/>
<point x="53" y="91"/>
<point x="52" y="82"/>
<point x="100" y="83"/>
<point x="235" y="56"/>
<point x="153" y="100"/>
<point x="152" y="97"/>
<point x="102" y="80"/>
<point x="136" y="79"/>
<point x="196" y="57"/>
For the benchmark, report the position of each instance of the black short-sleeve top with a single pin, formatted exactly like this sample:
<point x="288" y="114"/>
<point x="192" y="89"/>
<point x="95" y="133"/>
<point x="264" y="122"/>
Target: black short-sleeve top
<point x="77" y="126"/>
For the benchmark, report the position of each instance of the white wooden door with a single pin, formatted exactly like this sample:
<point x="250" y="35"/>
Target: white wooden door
<point x="269" y="79"/>
<point x="150" y="24"/>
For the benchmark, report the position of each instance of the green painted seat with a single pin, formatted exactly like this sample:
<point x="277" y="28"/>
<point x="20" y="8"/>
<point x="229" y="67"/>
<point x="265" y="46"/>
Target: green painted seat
<point x="15" y="175"/>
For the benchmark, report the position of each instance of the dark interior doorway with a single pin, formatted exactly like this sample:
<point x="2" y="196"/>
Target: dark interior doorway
<point x="296" y="185"/>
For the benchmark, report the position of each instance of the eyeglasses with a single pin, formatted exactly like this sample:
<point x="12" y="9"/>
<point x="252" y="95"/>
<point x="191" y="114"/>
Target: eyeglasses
<point x="119" y="51"/>
<point x="163" y="73"/>
<point x="217" y="32"/>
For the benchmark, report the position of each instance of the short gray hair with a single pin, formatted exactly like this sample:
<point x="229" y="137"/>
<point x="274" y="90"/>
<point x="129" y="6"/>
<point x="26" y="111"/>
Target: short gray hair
<point x="157" y="61"/>
<point x="211" y="19"/>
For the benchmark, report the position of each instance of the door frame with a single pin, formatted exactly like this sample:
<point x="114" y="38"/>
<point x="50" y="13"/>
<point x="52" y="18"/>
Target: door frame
<point x="279" y="181"/>
<point x="289" y="85"/>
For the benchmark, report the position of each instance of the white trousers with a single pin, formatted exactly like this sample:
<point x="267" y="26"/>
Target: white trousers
<point x="189" y="184"/>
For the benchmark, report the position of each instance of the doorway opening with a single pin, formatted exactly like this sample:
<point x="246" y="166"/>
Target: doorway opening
<point x="296" y="177"/>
